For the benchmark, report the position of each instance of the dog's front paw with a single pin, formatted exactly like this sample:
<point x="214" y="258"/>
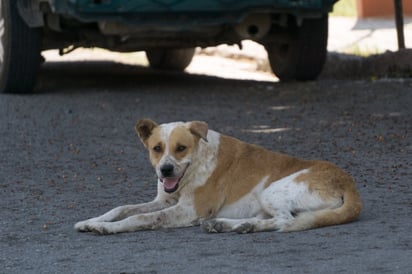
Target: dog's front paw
<point x="100" y="228"/>
<point x="212" y="226"/>
<point x="82" y="226"/>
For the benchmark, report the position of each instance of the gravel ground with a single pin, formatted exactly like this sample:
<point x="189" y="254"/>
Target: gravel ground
<point x="69" y="152"/>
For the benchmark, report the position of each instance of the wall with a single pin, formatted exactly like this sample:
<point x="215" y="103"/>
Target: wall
<point x="381" y="8"/>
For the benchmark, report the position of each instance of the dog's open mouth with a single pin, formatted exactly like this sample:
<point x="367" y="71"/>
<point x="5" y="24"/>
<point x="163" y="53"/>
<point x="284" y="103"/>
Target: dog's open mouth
<point x="171" y="184"/>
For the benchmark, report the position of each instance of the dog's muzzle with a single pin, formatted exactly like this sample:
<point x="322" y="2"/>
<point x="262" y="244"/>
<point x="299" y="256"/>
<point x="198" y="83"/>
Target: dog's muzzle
<point x="169" y="179"/>
<point x="167" y="170"/>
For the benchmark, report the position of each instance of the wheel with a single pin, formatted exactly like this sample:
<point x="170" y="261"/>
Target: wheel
<point x="170" y="59"/>
<point x="20" y="48"/>
<point x="302" y="54"/>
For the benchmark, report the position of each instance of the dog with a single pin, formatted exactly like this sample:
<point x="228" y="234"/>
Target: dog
<point x="225" y="185"/>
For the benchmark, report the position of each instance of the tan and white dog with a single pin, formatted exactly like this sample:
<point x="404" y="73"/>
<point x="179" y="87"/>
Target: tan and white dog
<point x="226" y="185"/>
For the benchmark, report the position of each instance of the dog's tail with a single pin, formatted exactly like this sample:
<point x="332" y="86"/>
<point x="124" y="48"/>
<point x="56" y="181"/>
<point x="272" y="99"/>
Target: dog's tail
<point x="347" y="212"/>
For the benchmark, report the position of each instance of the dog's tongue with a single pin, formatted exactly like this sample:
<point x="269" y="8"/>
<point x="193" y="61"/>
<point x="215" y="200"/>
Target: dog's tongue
<point x="170" y="183"/>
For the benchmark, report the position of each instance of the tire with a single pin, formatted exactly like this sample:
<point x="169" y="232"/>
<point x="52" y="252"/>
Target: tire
<point x="170" y="59"/>
<point x="20" y="48"/>
<point x="302" y="54"/>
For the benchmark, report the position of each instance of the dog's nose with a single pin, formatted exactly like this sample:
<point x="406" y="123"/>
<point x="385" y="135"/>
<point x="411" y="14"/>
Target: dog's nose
<point x="167" y="170"/>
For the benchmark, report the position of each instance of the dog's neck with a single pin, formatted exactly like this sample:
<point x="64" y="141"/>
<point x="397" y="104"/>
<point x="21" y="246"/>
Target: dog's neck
<point x="204" y="160"/>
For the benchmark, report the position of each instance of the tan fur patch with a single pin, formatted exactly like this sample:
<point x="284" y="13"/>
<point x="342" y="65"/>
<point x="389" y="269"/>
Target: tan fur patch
<point x="230" y="181"/>
<point x="330" y="182"/>
<point x="181" y="143"/>
<point x="326" y="179"/>
<point x="144" y="129"/>
<point x="199" y="129"/>
<point x="153" y="141"/>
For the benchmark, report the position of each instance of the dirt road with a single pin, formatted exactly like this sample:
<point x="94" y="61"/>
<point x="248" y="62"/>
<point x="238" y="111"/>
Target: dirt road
<point x="69" y="152"/>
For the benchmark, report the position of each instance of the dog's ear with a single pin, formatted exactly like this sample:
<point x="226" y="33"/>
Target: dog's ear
<point x="144" y="128"/>
<point x="199" y="129"/>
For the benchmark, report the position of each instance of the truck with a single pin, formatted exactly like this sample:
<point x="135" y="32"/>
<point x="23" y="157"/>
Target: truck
<point x="293" y="32"/>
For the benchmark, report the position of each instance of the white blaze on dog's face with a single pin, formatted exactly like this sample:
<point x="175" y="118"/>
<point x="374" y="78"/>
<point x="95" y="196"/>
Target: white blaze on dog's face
<point x="171" y="147"/>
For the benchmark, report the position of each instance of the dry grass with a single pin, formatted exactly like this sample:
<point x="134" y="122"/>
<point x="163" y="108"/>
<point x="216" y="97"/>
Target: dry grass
<point x="345" y="8"/>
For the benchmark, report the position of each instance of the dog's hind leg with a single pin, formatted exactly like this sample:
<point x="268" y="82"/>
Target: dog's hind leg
<point x="220" y="225"/>
<point x="247" y="225"/>
<point x="311" y="198"/>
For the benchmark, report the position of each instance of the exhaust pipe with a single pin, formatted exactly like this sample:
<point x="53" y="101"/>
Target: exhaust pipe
<point x="254" y="26"/>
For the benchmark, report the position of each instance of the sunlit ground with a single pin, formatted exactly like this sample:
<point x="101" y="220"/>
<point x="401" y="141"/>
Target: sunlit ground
<point x="346" y="35"/>
<point x="224" y="61"/>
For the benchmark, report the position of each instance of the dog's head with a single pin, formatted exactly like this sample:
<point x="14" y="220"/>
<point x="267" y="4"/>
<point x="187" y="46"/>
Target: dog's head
<point x="171" y="148"/>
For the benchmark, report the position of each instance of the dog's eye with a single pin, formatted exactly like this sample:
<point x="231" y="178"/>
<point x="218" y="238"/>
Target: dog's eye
<point x="157" y="148"/>
<point x="180" y="148"/>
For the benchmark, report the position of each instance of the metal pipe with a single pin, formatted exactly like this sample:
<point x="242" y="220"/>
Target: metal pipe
<point x="399" y="24"/>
